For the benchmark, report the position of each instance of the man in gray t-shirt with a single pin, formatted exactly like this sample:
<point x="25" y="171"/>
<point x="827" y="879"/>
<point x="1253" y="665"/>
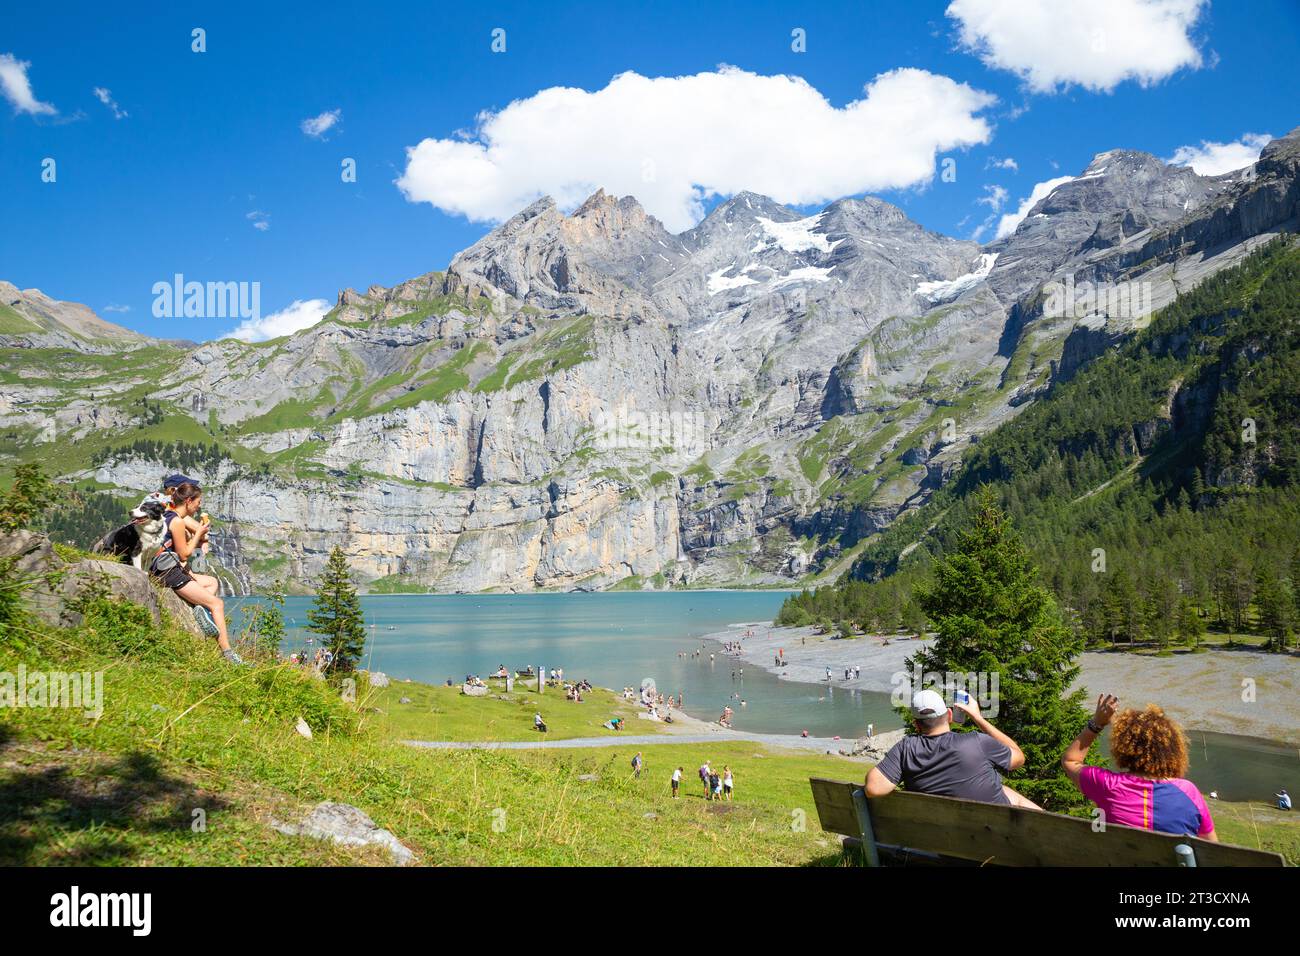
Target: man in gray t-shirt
<point x="936" y="760"/>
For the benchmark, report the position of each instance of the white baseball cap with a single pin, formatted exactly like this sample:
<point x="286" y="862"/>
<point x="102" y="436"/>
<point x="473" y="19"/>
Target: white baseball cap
<point x="928" y="703"/>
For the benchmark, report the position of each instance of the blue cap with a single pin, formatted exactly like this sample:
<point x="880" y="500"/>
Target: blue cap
<point x="175" y="481"/>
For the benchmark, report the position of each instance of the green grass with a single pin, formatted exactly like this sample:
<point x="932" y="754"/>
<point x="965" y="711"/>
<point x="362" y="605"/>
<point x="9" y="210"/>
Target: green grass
<point x="445" y="379"/>
<point x="444" y="713"/>
<point x="396" y="584"/>
<point x="268" y="566"/>
<point x="560" y="347"/>
<point x="183" y="731"/>
<point x="12" y="323"/>
<point x="292" y="413"/>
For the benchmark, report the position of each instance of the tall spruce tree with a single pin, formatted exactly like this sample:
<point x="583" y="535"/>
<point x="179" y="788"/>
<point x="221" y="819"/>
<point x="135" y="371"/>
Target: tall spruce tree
<point x="336" y="615"/>
<point x="993" y="616"/>
<point x="1276" y="606"/>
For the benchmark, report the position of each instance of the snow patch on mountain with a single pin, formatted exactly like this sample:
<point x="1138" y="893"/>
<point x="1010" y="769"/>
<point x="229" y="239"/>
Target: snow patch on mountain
<point x="796" y="236"/>
<point x="718" y="282"/>
<point x="945" y="289"/>
<point x="806" y="274"/>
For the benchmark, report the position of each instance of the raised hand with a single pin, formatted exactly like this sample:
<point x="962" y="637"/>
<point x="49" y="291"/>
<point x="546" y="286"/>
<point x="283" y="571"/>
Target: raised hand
<point x="1107" y="704"/>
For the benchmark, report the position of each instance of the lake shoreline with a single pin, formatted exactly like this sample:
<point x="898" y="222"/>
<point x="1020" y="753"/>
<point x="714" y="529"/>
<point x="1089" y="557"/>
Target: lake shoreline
<point x="1211" y="691"/>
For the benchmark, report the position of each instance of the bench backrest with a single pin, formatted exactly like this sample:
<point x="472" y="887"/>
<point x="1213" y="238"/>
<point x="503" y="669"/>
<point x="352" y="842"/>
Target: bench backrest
<point x="1002" y="835"/>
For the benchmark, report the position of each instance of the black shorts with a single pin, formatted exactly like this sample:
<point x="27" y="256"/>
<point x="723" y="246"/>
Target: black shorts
<point x="174" y="578"/>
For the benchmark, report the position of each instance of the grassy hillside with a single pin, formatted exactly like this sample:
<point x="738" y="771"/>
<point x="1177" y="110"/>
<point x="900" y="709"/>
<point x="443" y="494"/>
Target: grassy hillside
<point x="182" y="731"/>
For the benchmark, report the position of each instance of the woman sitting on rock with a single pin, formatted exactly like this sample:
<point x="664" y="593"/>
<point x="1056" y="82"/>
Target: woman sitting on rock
<point x="200" y="591"/>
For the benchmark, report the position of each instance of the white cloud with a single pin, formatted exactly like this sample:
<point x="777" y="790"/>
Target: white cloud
<point x="1096" y="44"/>
<point x="1007" y="224"/>
<point x="117" y="308"/>
<point x="105" y="96"/>
<point x="293" y="318"/>
<point x="1211" y="159"/>
<point x="261" y="220"/>
<point x="17" y="89"/>
<point x="317" y="126"/>
<point x="1007" y="163"/>
<point x="674" y="141"/>
<point x="995" y="197"/>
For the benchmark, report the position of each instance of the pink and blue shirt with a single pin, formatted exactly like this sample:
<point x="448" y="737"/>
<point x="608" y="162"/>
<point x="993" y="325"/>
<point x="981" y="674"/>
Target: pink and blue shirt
<point x="1168" y="806"/>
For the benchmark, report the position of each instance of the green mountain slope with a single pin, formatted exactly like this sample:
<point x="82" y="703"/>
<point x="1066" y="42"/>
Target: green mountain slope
<point x="1168" y="469"/>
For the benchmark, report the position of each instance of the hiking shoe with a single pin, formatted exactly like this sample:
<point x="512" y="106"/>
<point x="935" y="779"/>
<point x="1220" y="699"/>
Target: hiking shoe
<point x="232" y="657"/>
<point x="205" y="621"/>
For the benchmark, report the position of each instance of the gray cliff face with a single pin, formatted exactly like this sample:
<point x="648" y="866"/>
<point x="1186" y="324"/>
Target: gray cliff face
<point x="587" y="400"/>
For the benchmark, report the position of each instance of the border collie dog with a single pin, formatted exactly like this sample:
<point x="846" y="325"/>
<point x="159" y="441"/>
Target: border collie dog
<point x="143" y="533"/>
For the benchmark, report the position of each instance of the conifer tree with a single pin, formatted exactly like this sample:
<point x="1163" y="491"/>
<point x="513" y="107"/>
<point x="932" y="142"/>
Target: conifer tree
<point x="336" y="615"/>
<point x="1276" y="603"/>
<point x="993" y="615"/>
<point x="267" y="620"/>
<point x="1190" y="626"/>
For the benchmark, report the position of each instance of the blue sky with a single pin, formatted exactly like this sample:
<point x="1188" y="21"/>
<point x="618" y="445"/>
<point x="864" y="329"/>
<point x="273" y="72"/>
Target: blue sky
<point x="195" y="151"/>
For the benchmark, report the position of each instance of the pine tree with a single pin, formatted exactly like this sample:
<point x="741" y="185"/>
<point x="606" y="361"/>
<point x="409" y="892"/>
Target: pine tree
<point x="336" y="615"/>
<point x="1190" y="626"/>
<point x="267" y="621"/>
<point x="1123" y="609"/>
<point x="994" y="617"/>
<point x="1161" y="610"/>
<point x="1295" y="580"/>
<point x="1276" y="603"/>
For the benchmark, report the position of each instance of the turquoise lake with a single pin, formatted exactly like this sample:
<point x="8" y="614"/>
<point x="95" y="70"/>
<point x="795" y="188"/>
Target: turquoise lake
<point x="620" y="638"/>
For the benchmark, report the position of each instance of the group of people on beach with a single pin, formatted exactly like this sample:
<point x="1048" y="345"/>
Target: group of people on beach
<point x="1148" y="791"/>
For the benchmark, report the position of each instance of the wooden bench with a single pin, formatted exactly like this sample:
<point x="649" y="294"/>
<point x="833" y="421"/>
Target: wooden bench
<point x="920" y="829"/>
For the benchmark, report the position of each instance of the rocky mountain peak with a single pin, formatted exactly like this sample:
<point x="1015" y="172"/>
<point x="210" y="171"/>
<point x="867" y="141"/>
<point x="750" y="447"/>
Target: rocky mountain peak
<point x="602" y="216"/>
<point x="1284" y="149"/>
<point x="31" y="319"/>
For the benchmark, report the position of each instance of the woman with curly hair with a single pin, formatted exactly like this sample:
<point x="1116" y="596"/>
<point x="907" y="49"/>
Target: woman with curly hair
<point x="1149" y="791"/>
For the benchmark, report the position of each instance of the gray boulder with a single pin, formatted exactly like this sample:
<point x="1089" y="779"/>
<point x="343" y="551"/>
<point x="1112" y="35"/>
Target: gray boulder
<point x="56" y="583"/>
<point x="345" y="825"/>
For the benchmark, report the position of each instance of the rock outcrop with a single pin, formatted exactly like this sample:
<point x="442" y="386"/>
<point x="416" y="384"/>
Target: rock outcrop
<point x="55" y="583"/>
<point x="345" y="825"/>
